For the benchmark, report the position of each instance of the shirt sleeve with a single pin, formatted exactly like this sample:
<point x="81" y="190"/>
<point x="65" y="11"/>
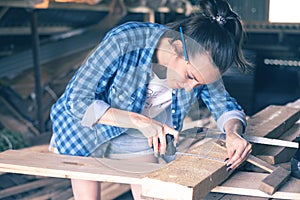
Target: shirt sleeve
<point x="94" y="112"/>
<point x="92" y="78"/>
<point x="222" y="106"/>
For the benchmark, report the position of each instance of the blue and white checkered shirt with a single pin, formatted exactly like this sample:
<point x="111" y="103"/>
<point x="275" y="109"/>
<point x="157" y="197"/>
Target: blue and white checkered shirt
<point x="117" y="74"/>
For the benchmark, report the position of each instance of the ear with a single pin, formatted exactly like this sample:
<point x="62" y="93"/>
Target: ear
<point x="177" y="47"/>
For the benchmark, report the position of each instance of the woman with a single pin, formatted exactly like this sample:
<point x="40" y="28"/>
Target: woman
<point x="139" y="84"/>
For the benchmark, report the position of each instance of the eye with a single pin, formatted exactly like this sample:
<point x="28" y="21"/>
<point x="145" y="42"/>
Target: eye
<point x="189" y="77"/>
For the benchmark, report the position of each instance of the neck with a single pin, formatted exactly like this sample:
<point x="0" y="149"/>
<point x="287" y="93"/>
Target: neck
<point x="159" y="70"/>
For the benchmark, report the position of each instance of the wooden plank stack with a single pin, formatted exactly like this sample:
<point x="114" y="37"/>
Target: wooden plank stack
<point x="274" y="122"/>
<point x="271" y="122"/>
<point x="188" y="177"/>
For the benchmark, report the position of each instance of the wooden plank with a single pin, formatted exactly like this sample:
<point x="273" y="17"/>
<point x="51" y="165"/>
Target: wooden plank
<point x="277" y="177"/>
<point x="247" y="183"/>
<point x="60" y="49"/>
<point x="63" y="166"/>
<point x="25" y="187"/>
<point x="188" y="177"/>
<point x="261" y="164"/>
<point x="114" y="191"/>
<point x="275" y="180"/>
<point x="271" y="122"/>
<point x="49" y="191"/>
<point x="66" y="194"/>
<point x="276" y="155"/>
<point x="221" y="196"/>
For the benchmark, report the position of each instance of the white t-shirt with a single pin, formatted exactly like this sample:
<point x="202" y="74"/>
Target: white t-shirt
<point x="159" y="99"/>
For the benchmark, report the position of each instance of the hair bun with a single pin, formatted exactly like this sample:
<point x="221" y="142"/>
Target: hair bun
<point x="217" y="10"/>
<point x="219" y="19"/>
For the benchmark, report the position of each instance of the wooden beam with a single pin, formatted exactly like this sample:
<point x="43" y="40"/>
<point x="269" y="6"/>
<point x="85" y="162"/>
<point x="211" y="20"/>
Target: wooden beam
<point x="102" y="7"/>
<point x="26" y="187"/>
<point x="26" y="30"/>
<point x="277" y="177"/>
<point x="188" y="177"/>
<point x="247" y="183"/>
<point x="275" y="180"/>
<point x="13" y="65"/>
<point x="48" y="191"/>
<point x="276" y="155"/>
<point x="114" y="190"/>
<point x="271" y="122"/>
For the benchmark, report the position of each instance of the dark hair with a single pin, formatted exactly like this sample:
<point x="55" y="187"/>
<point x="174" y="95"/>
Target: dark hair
<point x="218" y="29"/>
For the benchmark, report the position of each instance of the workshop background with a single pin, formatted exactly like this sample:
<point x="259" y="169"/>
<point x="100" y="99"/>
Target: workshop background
<point x="42" y="43"/>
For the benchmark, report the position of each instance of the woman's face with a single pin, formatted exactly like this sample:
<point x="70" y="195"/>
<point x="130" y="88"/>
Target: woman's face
<point x="197" y="72"/>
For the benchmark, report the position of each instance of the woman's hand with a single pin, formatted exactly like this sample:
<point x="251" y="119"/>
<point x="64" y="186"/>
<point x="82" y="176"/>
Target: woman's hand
<point x="158" y="141"/>
<point x="238" y="150"/>
<point x="155" y="131"/>
<point x="156" y="134"/>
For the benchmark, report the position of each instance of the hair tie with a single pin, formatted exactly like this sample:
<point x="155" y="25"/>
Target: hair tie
<point x="219" y="19"/>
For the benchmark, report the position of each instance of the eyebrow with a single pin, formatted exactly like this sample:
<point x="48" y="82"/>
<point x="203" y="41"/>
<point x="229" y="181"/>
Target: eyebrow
<point x="186" y="58"/>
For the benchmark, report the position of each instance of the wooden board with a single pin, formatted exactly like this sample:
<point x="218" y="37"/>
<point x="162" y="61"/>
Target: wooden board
<point x="62" y="166"/>
<point x="25" y="187"/>
<point x="276" y="155"/>
<point x="247" y="183"/>
<point x="271" y="122"/>
<point x="275" y="180"/>
<point x="188" y="177"/>
<point x="277" y="177"/>
<point x="192" y="175"/>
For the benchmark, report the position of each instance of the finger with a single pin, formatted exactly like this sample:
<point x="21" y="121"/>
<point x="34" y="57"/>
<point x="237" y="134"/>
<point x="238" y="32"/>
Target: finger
<point x="230" y="154"/>
<point x="236" y="163"/>
<point x="163" y="144"/>
<point x="150" y="142"/>
<point x="233" y="155"/>
<point x="240" y="157"/>
<point x="155" y="145"/>
<point x="243" y="152"/>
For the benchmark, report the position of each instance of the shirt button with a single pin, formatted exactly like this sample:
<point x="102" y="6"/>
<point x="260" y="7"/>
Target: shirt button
<point x="121" y="97"/>
<point x="173" y="111"/>
<point x="174" y="91"/>
<point x="175" y="126"/>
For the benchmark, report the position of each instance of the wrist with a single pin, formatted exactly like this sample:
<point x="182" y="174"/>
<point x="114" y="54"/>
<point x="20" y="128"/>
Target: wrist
<point x="140" y="121"/>
<point x="233" y="134"/>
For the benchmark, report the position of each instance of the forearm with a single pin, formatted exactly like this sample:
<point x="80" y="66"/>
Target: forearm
<point x="124" y="119"/>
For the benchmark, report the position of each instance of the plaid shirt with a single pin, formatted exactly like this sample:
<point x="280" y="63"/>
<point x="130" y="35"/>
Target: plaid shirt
<point x="117" y="73"/>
